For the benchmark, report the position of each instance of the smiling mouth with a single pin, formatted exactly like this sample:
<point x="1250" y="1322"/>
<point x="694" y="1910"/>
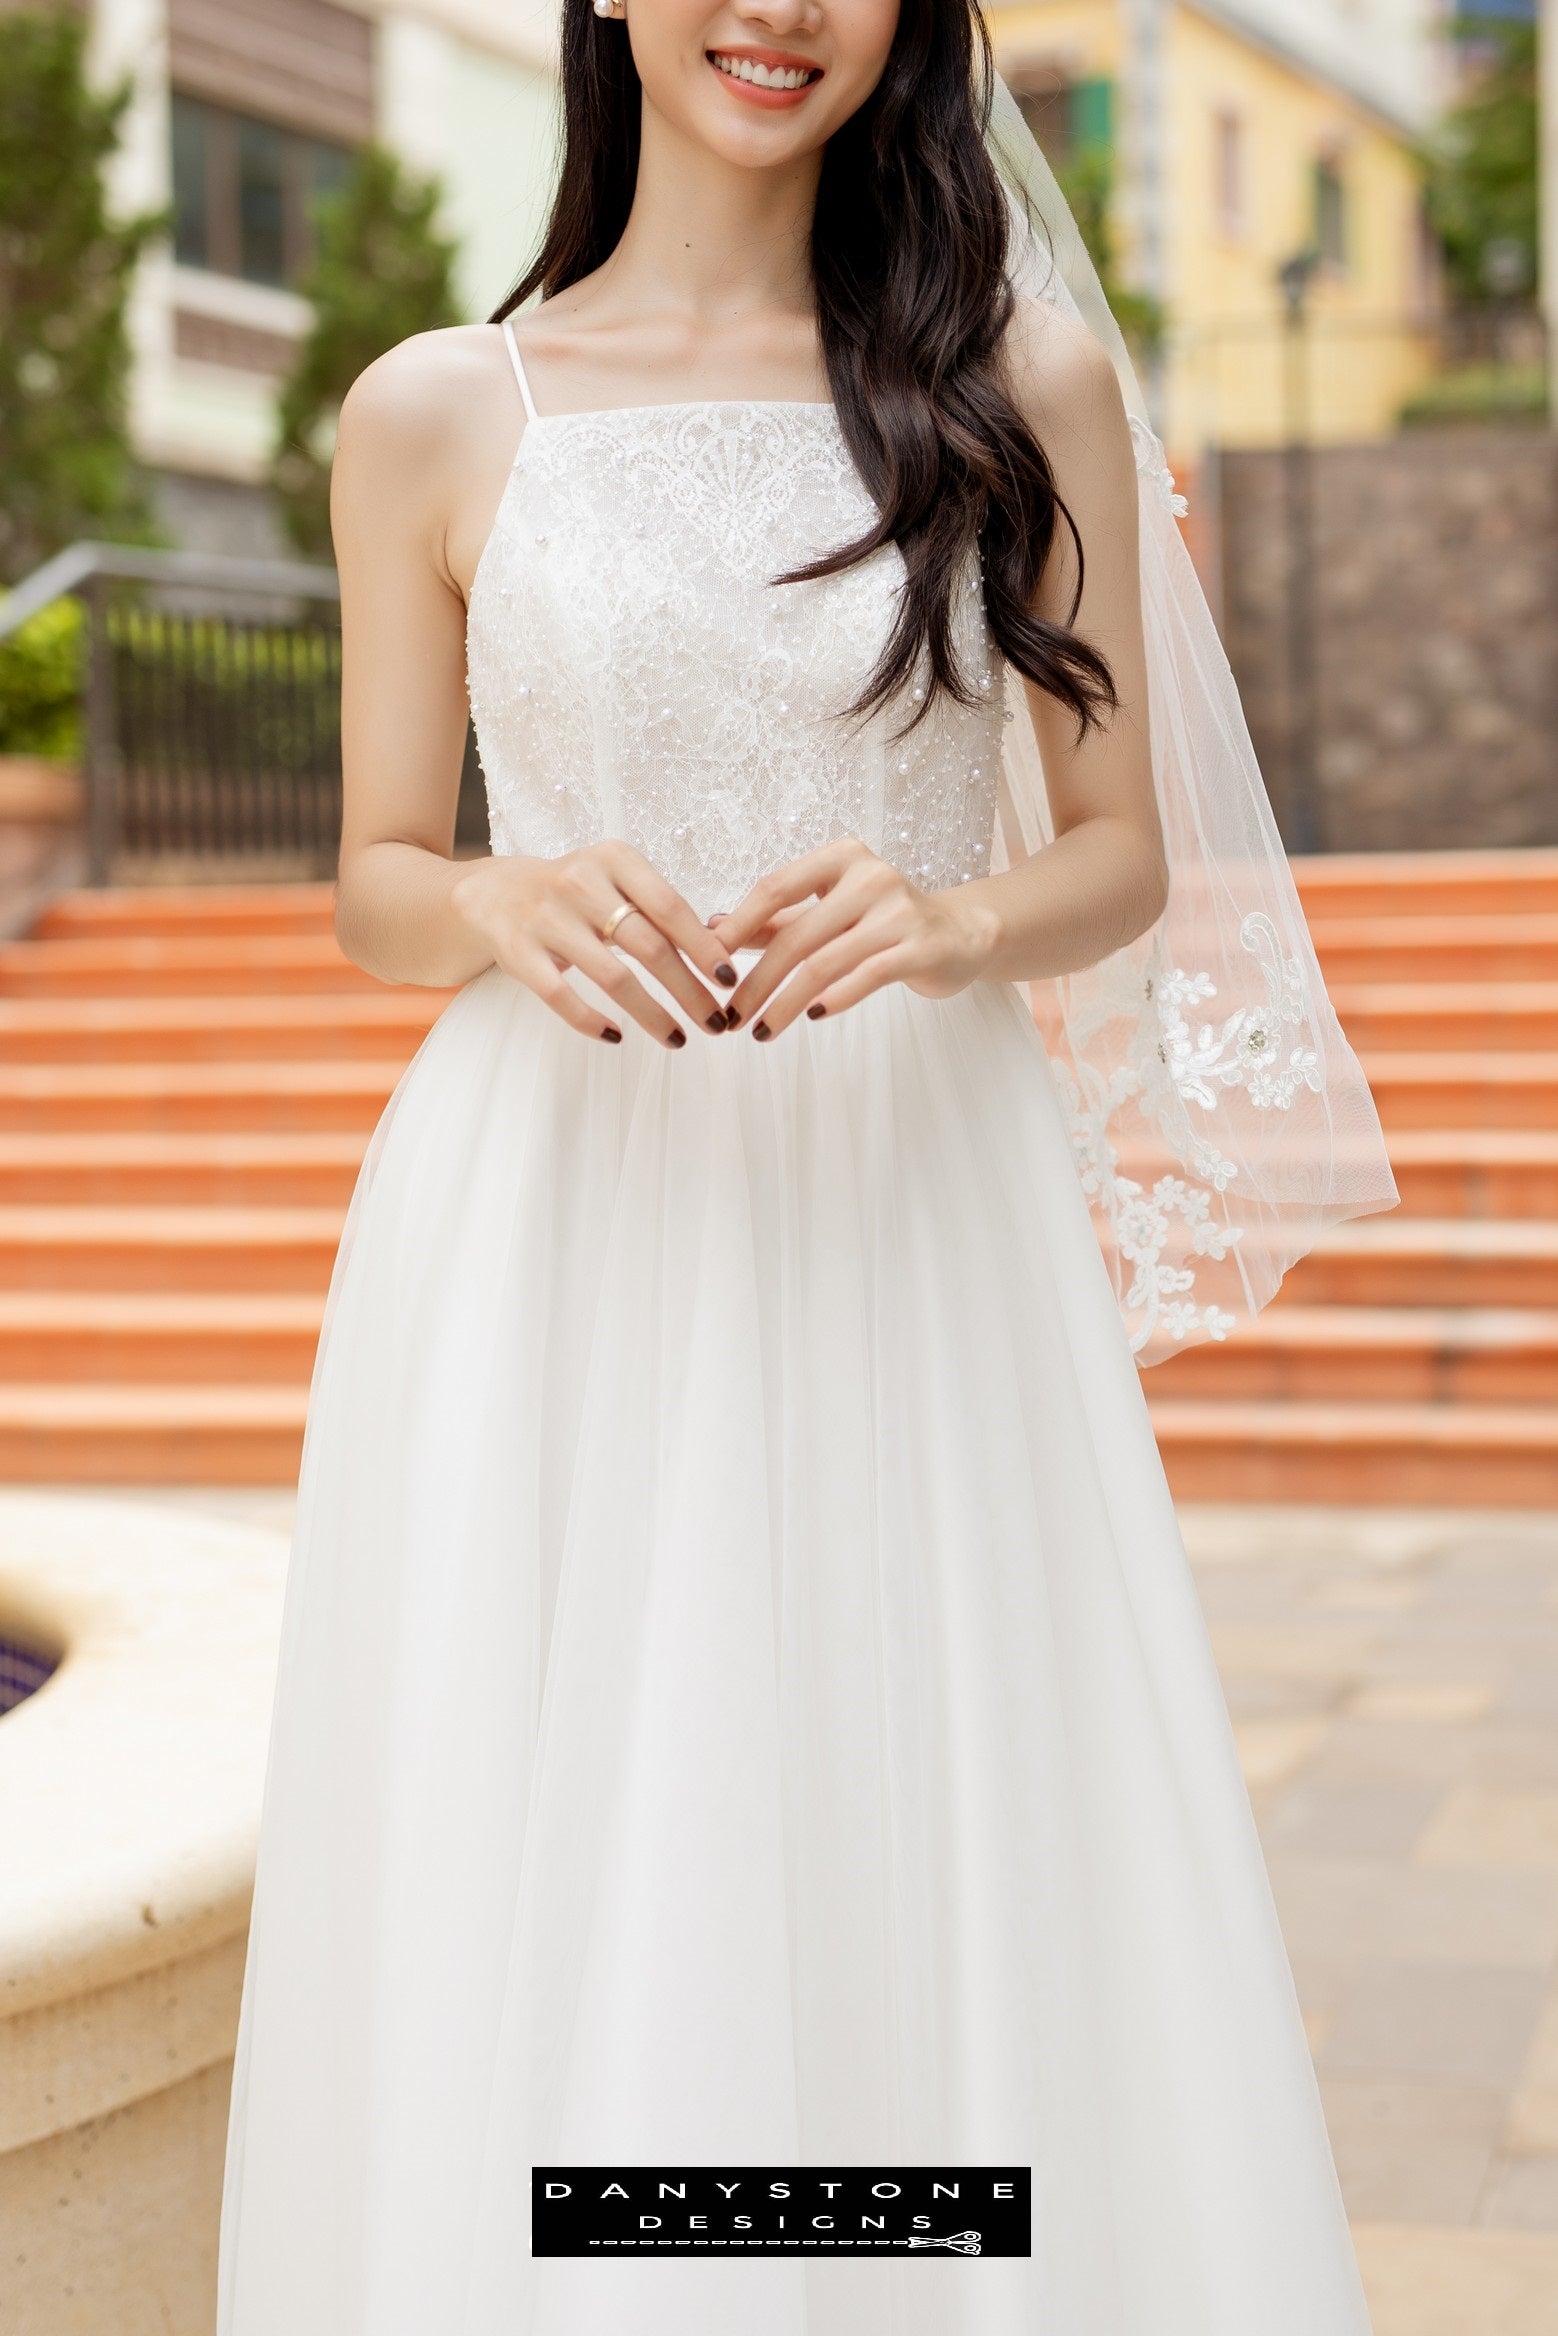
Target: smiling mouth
<point x="764" y="73"/>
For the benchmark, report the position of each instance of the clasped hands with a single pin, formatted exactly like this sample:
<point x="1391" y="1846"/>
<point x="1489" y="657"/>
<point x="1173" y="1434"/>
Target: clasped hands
<point x="832" y="927"/>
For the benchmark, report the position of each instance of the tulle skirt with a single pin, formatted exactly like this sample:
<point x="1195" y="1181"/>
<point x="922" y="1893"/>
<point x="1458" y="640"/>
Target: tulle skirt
<point x="743" y="1701"/>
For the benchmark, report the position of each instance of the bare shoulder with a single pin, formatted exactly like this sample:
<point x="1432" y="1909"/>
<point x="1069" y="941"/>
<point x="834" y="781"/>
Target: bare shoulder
<point x="1062" y="379"/>
<point x="420" y="397"/>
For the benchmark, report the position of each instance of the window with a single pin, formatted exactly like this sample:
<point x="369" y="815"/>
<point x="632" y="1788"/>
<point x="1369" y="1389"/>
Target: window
<point x="244" y="191"/>
<point x="1330" y="205"/>
<point x="1092" y="114"/>
<point x="1067" y="118"/>
<point x="1228" y="173"/>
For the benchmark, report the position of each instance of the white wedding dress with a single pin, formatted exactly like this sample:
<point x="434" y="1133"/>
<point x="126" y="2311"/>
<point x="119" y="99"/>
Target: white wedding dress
<point x="742" y="1699"/>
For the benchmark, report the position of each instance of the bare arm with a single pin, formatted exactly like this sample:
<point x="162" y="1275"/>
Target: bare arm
<point x="403" y="704"/>
<point x="1103" y="879"/>
<point x="421" y="458"/>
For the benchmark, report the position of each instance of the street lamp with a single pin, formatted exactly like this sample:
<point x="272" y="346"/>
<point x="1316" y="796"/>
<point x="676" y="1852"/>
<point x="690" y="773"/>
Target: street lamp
<point x="1294" y="278"/>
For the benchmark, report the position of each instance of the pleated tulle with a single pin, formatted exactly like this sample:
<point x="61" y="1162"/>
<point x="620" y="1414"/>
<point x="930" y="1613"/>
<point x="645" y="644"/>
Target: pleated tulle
<point x="743" y="1701"/>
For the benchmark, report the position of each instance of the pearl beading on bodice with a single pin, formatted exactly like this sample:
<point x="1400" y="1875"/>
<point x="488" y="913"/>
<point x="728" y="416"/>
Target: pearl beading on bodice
<point x="633" y="672"/>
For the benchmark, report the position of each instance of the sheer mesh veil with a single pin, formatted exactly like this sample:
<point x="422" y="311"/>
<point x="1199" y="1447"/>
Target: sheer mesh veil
<point x="1219" y="1117"/>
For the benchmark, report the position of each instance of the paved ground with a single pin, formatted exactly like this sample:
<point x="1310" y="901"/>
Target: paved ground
<point x="1393" y="1679"/>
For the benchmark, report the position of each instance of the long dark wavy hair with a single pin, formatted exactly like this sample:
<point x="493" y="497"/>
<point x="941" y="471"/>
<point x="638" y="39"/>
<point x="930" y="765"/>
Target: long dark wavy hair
<point x="908" y="253"/>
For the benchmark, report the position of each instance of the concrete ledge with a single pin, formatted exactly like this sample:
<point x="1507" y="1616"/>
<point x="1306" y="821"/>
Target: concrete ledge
<point x="132" y="1783"/>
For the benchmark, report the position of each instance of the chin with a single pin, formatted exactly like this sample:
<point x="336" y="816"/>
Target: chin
<point x="741" y="132"/>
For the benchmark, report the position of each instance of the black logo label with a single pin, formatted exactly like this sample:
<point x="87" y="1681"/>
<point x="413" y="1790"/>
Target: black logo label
<point x="934" y="2211"/>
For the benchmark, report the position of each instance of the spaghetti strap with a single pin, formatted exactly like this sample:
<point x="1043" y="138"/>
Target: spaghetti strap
<point x="519" y="372"/>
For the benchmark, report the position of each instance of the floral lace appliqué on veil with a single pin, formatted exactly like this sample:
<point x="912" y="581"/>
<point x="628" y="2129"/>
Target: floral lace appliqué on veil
<point x="1172" y="1069"/>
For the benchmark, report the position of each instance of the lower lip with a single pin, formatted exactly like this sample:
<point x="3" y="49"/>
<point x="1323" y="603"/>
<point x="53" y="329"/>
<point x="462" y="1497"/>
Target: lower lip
<point x="753" y="93"/>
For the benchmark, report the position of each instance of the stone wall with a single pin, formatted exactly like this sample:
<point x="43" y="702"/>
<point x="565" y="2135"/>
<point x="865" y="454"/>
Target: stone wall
<point x="1434" y="614"/>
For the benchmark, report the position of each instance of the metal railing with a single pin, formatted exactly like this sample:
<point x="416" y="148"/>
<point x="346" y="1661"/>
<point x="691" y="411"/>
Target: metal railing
<point x="211" y="721"/>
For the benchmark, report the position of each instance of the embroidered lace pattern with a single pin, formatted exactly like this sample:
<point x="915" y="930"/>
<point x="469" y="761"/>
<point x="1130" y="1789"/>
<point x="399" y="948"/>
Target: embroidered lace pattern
<point x="1171" y="1078"/>
<point x="633" y="672"/>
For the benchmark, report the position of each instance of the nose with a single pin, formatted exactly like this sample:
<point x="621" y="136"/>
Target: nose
<point x="780" y="17"/>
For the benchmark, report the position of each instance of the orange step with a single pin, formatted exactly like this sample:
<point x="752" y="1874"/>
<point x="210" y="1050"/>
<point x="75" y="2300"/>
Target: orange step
<point x="177" y="965"/>
<point x="171" y="1097"/>
<point x="1390" y="1017"/>
<point x="167" y="1249"/>
<point x="1409" y="1454"/>
<point x="1414" y="1454"/>
<point x="1427" y="884"/>
<point x="175" y="1030"/>
<point x="236" y="1170"/>
<point x="1468" y="949"/>
<point x="140" y="1337"/>
<point x="1368" y="1354"/>
<point x="1391" y="1260"/>
<point x="1476" y="1171"/>
<point x="149" y="911"/>
<point x="176" y="1434"/>
<point x="1431" y="1090"/>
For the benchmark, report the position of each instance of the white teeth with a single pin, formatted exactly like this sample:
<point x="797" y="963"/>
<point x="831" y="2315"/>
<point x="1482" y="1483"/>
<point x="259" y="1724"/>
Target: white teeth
<point x="760" y="75"/>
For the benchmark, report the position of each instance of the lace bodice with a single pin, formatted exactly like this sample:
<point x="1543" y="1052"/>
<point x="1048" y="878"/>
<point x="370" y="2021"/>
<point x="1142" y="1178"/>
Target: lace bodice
<point x="633" y="673"/>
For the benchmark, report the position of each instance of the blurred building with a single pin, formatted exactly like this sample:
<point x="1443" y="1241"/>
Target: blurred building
<point x="1240" y="135"/>
<point x="243" y="109"/>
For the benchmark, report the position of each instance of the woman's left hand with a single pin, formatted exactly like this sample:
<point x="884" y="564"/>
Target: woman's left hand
<point x="840" y="922"/>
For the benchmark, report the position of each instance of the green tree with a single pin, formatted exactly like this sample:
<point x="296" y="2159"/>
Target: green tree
<point x="1481" y="168"/>
<point x="66" y="468"/>
<point x="1087" y="182"/>
<point x="381" y="271"/>
<point x="41" y="667"/>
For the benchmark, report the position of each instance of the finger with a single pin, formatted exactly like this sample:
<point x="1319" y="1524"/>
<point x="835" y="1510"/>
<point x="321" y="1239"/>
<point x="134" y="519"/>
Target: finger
<point x="537" y="970"/>
<point x="824" y="921"/>
<point x="814" y="984"/>
<point x="645" y="941"/>
<point x="600" y="962"/>
<point x="875" y="973"/>
<point x="797" y="881"/>
<point x="642" y="883"/>
<point x="569" y="929"/>
<point x="769" y="932"/>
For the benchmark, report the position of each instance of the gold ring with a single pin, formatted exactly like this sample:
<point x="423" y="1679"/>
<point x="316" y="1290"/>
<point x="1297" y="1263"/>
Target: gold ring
<point x="624" y="908"/>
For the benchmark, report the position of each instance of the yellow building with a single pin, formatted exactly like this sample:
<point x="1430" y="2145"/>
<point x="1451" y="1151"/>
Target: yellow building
<point x="1255" y="156"/>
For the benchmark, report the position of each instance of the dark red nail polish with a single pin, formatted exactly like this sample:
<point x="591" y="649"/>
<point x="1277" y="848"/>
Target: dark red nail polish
<point x="677" y="1037"/>
<point x="727" y="974"/>
<point x="761" y="1030"/>
<point x="611" y="1033"/>
<point x="816" y="1010"/>
<point x="732" y="1017"/>
<point x="716" y="1020"/>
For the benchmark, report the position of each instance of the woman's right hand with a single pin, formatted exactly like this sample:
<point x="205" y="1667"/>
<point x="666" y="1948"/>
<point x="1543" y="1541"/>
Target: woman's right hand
<point x="541" y="917"/>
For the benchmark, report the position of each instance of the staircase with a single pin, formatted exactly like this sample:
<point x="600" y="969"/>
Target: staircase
<point x="188" y="1078"/>
<point x="1412" y="1357"/>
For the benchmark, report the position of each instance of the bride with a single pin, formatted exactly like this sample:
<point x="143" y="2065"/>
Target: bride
<point x="742" y="1700"/>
